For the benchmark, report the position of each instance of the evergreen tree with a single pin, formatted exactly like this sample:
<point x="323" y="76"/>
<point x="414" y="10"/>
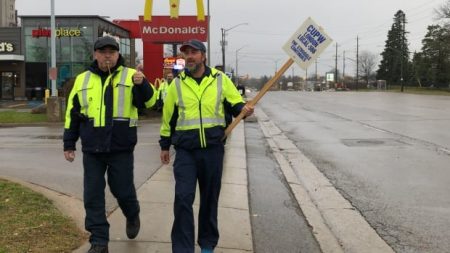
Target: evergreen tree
<point x="395" y="57"/>
<point x="433" y="63"/>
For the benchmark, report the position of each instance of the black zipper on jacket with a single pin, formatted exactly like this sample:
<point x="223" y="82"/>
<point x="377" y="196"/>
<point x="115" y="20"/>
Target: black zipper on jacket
<point x="202" y="140"/>
<point x="202" y="129"/>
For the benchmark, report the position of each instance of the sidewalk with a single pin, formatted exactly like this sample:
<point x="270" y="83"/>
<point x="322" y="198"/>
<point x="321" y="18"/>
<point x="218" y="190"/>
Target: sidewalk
<point x="156" y="199"/>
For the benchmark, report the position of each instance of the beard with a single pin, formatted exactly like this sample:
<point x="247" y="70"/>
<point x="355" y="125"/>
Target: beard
<point x="193" y="67"/>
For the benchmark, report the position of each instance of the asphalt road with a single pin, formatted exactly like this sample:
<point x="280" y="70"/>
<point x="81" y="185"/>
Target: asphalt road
<point x="387" y="153"/>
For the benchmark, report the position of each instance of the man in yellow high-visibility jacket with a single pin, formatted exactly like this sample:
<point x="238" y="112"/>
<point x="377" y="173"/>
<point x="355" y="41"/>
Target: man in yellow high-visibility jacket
<point x="193" y="122"/>
<point x="102" y="110"/>
<point x="162" y="91"/>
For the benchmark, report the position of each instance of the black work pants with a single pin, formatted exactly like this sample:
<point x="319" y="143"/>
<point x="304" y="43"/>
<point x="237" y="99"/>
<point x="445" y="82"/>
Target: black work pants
<point x="119" y="168"/>
<point x="190" y="166"/>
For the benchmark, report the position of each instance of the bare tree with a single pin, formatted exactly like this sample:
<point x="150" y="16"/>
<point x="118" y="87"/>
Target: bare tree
<point x="367" y="63"/>
<point x="443" y="11"/>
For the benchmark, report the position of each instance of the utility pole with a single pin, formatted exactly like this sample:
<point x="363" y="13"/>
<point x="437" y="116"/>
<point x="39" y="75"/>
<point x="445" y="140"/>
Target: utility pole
<point x="357" y="62"/>
<point x="292" y="74"/>
<point x="335" y="66"/>
<point x="223" y="43"/>
<point x="402" y="51"/>
<point x="306" y="78"/>
<point x="343" y="68"/>
<point x="315" y="70"/>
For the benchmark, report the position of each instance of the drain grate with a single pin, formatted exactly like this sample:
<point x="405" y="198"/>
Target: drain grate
<point x="49" y="137"/>
<point x="372" y="142"/>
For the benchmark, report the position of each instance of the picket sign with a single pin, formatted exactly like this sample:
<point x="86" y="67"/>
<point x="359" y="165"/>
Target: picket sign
<point x="303" y="48"/>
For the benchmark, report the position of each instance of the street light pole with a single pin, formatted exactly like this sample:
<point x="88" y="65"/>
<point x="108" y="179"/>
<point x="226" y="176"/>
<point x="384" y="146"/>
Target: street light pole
<point x="53" y="47"/>
<point x="223" y="42"/>
<point x="237" y="72"/>
<point x="276" y="65"/>
<point x="209" y="34"/>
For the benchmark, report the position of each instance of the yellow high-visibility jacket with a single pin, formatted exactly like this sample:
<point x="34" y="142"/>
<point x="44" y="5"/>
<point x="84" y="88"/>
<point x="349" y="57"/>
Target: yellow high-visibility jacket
<point x="194" y="115"/>
<point x="102" y="109"/>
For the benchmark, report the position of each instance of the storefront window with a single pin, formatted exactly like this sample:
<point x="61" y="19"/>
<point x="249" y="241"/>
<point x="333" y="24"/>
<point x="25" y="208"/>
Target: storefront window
<point x="78" y="67"/>
<point x="82" y="49"/>
<point x="125" y="50"/>
<point x="64" y="73"/>
<point x="37" y="49"/>
<point x="63" y="49"/>
<point x="7" y="85"/>
<point x="83" y="45"/>
<point x="74" y="50"/>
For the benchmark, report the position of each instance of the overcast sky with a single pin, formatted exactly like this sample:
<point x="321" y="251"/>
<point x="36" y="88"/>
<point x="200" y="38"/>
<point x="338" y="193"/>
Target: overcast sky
<point x="271" y="23"/>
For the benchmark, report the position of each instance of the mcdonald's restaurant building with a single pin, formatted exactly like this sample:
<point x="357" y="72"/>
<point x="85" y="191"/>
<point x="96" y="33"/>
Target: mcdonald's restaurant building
<point x="25" y="52"/>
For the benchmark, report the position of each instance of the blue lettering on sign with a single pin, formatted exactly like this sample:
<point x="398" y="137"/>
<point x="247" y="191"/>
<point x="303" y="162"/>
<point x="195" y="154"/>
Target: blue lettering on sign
<point x="316" y="34"/>
<point x="309" y="41"/>
<point x="303" y="40"/>
<point x="300" y="52"/>
<point x="310" y="38"/>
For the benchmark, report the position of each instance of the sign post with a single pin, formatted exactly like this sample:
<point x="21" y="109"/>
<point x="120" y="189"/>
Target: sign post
<point x="303" y="47"/>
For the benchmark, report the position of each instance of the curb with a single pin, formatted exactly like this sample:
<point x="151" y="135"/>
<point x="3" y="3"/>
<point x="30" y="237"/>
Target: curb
<point x="336" y="224"/>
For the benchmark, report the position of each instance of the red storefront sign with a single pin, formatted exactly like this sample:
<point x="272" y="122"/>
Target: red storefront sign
<point x="163" y="29"/>
<point x="169" y="62"/>
<point x="174" y="63"/>
<point x="60" y="32"/>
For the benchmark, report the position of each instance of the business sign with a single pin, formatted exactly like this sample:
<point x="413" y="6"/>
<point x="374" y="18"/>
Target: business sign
<point x="60" y="32"/>
<point x="169" y="62"/>
<point x="164" y="29"/>
<point x="307" y="43"/>
<point x="329" y="77"/>
<point x="174" y="63"/>
<point x="6" y="47"/>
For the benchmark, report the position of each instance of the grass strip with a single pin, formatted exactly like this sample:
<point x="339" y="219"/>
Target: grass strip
<point x="31" y="223"/>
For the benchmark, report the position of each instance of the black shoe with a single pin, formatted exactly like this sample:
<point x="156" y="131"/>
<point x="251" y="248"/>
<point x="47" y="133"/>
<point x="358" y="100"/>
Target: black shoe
<point x="98" y="249"/>
<point x="133" y="226"/>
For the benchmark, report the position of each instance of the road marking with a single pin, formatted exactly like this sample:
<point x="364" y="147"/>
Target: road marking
<point x="337" y="225"/>
<point x="445" y="150"/>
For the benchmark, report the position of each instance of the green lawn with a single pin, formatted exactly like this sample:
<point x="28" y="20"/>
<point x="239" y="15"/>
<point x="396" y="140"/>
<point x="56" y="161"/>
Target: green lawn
<point x="30" y="223"/>
<point x="421" y="90"/>
<point x="21" y="117"/>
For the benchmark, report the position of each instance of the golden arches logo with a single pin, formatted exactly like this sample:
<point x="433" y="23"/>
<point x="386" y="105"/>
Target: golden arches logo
<point x="158" y="82"/>
<point x="174" y="9"/>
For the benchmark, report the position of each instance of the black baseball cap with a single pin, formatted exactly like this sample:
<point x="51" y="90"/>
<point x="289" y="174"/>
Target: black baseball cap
<point x="196" y="44"/>
<point x="106" y="41"/>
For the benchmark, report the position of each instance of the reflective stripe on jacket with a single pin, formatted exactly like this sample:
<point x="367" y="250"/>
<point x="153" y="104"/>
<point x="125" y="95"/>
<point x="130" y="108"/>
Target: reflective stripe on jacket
<point x="197" y="110"/>
<point x="105" y="123"/>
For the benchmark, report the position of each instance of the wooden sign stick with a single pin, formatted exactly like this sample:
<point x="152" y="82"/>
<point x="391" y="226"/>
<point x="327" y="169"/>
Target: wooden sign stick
<point x="260" y="94"/>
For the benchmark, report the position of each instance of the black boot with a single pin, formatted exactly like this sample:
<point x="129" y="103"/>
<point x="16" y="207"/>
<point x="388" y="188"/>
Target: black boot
<point x="98" y="249"/>
<point x="133" y="226"/>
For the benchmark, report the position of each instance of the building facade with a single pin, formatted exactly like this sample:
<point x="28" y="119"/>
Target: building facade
<point x="8" y="14"/>
<point x="75" y="37"/>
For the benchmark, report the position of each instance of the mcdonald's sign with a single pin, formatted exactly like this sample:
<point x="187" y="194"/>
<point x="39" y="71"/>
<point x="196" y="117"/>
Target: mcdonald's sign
<point x="164" y="29"/>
